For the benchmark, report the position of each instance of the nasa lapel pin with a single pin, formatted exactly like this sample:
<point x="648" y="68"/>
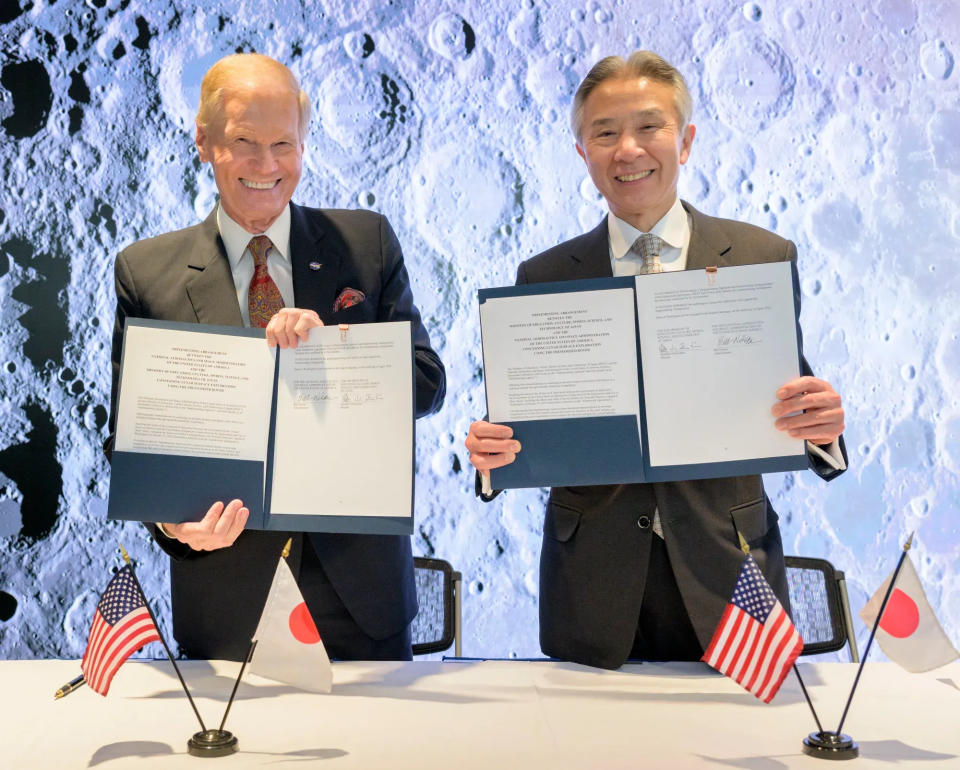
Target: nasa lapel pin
<point x="315" y="265"/>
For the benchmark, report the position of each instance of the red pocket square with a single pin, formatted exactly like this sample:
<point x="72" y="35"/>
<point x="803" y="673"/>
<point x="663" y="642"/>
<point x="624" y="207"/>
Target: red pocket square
<point x="348" y="298"/>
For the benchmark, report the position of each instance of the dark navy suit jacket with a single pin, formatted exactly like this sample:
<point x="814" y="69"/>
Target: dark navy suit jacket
<point x="217" y="596"/>
<point x="593" y="563"/>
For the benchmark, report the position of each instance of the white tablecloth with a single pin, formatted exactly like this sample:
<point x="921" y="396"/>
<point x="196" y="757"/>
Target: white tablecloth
<point x="490" y="715"/>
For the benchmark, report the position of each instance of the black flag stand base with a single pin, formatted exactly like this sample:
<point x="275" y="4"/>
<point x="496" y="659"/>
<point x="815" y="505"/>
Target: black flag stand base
<point x="212" y="743"/>
<point x="827" y="745"/>
<point x="220" y="742"/>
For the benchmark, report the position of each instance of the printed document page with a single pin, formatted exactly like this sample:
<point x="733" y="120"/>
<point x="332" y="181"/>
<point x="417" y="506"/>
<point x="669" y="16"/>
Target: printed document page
<point x="714" y="349"/>
<point x="555" y="356"/>
<point x="344" y="423"/>
<point x="194" y="394"/>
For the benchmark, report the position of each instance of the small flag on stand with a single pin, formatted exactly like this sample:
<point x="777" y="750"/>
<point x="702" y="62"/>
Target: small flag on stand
<point x="909" y="633"/>
<point x="755" y="643"/>
<point x="289" y="648"/>
<point x="121" y="625"/>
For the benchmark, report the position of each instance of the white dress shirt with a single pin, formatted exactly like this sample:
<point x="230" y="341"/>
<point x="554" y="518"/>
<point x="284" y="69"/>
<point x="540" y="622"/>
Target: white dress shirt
<point x="673" y="229"/>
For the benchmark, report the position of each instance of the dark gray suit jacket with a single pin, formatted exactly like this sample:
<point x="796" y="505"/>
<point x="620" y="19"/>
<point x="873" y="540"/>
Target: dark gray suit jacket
<point x="217" y="596"/>
<point x="593" y="563"/>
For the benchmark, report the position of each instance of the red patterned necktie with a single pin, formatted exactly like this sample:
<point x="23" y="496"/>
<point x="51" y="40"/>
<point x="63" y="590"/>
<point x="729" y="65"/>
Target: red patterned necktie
<point x="647" y="247"/>
<point x="263" y="297"/>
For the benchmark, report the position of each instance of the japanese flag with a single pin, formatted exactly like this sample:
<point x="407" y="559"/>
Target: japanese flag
<point x="909" y="632"/>
<point x="289" y="648"/>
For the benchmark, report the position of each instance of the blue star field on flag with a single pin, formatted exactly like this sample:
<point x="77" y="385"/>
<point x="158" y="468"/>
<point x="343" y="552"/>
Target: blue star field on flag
<point x="752" y="593"/>
<point x="121" y="597"/>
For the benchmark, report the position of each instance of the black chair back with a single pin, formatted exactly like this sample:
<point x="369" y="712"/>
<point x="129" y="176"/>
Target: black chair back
<point x="436" y="625"/>
<point x="819" y="605"/>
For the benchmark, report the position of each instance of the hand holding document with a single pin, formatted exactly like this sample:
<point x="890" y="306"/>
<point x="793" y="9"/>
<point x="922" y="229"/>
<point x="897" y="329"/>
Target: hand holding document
<point x="491" y="445"/>
<point x="219" y="528"/>
<point x="316" y="437"/>
<point x="810" y="409"/>
<point x="654" y="378"/>
<point x="291" y="325"/>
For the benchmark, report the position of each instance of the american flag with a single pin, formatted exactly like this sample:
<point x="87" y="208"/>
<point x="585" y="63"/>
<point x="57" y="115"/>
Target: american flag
<point x="121" y="625"/>
<point x="755" y="643"/>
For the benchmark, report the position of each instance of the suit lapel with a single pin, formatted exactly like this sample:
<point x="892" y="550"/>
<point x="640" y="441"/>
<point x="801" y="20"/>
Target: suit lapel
<point x="709" y="245"/>
<point x="315" y="271"/>
<point x="210" y="286"/>
<point x="592" y="257"/>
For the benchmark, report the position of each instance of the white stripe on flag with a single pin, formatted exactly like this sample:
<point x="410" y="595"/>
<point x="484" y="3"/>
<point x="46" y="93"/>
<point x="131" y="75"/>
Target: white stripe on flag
<point x="137" y="627"/>
<point x="742" y="655"/>
<point x="777" y="631"/>
<point x="110" y="658"/>
<point x="741" y="626"/>
<point x="718" y="644"/>
<point x="120" y="653"/>
<point x="783" y="656"/>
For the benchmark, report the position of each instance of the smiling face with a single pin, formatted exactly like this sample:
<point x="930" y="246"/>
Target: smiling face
<point x="633" y="145"/>
<point x="255" y="149"/>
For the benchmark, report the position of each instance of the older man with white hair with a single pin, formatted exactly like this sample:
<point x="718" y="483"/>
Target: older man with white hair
<point x="260" y="260"/>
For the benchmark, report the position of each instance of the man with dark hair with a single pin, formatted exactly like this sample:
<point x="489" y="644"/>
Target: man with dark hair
<point x="645" y="570"/>
<point x="260" y="260"/>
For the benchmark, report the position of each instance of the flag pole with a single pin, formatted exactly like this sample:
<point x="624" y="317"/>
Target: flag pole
<point x="133" y="573"/>
<point x="836" y="745"/>
<point x="220" y="742"/>
<point x="876" y="625"/>
<point x="809" y="702"/>
<point x="253" y="646"/>
<point x="746" y="549"/>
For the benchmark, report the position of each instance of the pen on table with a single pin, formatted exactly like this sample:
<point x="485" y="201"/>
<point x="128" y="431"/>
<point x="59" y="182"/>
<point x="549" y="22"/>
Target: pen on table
<point x="69" y="687"/>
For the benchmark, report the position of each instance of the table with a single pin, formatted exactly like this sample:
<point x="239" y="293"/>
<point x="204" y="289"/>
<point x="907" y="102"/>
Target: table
<point x="490" y="715"/>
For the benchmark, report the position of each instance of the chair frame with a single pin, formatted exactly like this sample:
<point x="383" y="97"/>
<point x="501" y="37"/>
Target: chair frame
<point x="837" y="588"/>
<point x="452" y="593"/>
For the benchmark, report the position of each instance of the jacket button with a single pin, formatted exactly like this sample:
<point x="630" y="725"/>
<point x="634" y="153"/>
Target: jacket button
<point x="643" y="522"/>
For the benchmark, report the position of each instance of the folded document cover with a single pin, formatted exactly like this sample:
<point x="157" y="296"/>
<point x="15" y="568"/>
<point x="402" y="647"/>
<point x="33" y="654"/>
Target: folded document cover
<point x="662" y="377"/>
<point x="317" y="438"/>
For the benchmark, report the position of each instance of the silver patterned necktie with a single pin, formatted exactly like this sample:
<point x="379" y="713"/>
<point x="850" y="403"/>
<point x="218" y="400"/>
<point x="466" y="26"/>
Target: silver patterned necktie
<point x="647" y="247"/>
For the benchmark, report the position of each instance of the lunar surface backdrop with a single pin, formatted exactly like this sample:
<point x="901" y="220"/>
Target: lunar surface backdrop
<point x="834" y="125"/>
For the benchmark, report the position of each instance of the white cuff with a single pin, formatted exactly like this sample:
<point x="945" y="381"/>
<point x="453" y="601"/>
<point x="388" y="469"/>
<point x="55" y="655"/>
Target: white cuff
<point x="830" y="454"/>
<point x="486" y="488"/>
<point x="164" y="531"/>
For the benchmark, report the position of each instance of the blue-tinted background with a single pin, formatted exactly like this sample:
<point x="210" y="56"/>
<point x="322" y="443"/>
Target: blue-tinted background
<point x="834" y="126"/>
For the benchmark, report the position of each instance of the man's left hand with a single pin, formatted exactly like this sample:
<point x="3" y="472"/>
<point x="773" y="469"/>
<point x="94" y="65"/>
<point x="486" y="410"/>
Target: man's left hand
<point x="290" y="325"/>
<point x="809" y="409"/>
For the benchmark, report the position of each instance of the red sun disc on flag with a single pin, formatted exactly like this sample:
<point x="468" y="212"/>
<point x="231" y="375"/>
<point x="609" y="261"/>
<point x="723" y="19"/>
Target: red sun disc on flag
<point x="901" y="617"/>
<point x="302" y="627"/>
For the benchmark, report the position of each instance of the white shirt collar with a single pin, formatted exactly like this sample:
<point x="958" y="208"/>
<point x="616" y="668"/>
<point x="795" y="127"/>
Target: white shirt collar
<point x="673" y="227"/>
<point x="236" y="239"/>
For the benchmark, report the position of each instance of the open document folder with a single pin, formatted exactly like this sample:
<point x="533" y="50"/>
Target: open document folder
<point x="661" y="377"/>
<point x="317" y="438"/>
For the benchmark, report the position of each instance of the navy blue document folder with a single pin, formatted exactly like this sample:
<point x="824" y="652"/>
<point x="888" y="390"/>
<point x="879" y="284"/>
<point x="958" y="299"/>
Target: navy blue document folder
<point x="173" y="488"/>
<point x="609" y="449"/>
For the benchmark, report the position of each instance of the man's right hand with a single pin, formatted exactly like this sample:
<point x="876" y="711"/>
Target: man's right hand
<point x="491" y="446"/>
<point x="218" y="529"/>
